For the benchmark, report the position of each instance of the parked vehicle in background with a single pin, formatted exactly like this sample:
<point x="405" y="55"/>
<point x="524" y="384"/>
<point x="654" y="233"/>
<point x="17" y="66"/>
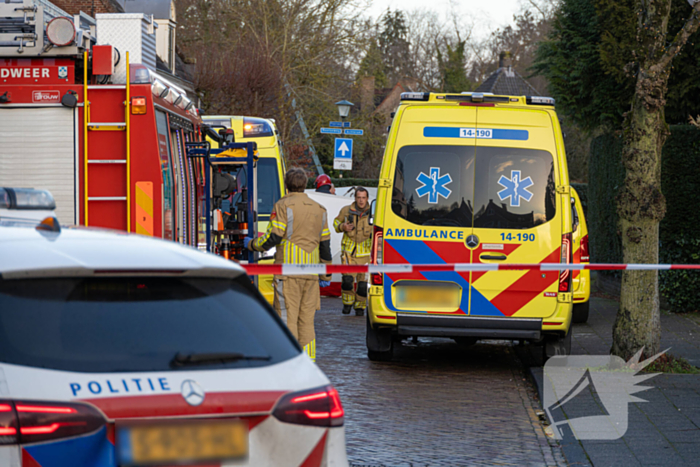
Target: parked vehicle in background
<point x="271" y="170"/>
<point x="122" y="350"/>
<point x="472" y="178"/>
<point x="25" y="206"/>
<point x="581" y="279"/>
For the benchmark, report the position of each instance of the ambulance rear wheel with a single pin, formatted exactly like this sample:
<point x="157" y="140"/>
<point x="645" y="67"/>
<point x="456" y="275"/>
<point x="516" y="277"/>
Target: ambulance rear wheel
<point x="380" y="344"/>
<point x="580" y="313"/>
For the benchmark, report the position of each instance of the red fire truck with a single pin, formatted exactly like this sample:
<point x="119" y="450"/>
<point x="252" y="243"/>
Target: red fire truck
<point x="106" y="137"/>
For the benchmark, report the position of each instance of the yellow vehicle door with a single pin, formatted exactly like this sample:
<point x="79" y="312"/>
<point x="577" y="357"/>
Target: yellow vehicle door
<point x="430" y="211"/>
<point x="517" y="212"/>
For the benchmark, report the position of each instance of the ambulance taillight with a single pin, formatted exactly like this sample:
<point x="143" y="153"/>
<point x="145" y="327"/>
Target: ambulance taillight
<point x="585" y="255"/>
<point x="23" y="422"/>
<point x="566" y="258"/>
<point x="377" y="254"/>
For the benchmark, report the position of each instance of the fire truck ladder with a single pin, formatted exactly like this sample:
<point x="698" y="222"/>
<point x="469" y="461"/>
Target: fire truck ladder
<point x="124" y="126"/>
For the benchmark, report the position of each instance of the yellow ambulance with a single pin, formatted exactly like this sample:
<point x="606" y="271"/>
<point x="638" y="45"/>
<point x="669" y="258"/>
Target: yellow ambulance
<point x="582" y="279"/>
<point x="477" y="179"/>
<point x="271" y="170"/>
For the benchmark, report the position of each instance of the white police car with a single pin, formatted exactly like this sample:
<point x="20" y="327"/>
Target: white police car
<point x="118" y="349"/>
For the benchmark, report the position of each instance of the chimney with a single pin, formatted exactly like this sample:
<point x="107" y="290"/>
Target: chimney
<point x="505" y="60"/>
<point x="367" y="93"/>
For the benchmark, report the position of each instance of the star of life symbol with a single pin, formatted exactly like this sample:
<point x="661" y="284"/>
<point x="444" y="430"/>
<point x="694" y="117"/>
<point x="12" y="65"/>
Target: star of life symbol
<point x="596" y="388"/>
<point x="515" y="188"/>
<point x="434" y="185"/>
<point x="192" y="392"/>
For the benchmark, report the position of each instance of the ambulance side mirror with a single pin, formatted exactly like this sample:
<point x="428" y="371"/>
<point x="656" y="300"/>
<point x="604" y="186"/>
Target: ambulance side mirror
<point x="372" y="211"/>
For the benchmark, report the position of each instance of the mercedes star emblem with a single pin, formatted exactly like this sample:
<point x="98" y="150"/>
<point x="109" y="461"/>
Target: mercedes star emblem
<point x="472" y="241"/>
<point x="192" y="392"/>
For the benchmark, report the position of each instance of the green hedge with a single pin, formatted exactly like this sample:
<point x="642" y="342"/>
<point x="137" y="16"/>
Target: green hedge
<point x="582" y="190"/>
<point x="679" y="236"/>
<point x="605" y="177"/>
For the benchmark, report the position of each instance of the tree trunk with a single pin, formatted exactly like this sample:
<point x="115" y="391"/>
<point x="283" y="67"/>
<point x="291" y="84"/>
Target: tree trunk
<point x="641" y="204"/>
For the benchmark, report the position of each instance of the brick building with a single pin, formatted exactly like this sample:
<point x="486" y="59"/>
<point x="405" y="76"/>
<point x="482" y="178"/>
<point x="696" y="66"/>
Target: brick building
<point x="91" y="7"/>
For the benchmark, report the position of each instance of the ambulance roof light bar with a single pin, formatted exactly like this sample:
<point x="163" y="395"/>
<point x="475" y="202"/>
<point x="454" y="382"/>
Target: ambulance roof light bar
<point x="415" y="96"/>
<point x="539" y="100"/>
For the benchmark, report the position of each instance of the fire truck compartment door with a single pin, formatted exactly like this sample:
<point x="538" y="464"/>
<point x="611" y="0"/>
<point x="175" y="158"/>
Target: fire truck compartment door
<point x="38" y="150"/>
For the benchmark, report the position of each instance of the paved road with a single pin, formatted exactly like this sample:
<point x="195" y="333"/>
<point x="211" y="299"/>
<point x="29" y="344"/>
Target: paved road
<point x="436" y="405"/>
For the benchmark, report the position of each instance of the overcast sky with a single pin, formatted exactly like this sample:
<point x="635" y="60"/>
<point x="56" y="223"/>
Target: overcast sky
<point x="486" y="16"/>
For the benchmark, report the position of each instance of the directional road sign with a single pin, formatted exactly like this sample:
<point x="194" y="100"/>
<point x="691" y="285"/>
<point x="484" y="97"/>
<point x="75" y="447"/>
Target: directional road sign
<point x="346" y="124"/>
<point x="354" y="132"/>
<point x="336" y="124"/>
<point x="331" y="131"/>
<point x="343" y="154"/>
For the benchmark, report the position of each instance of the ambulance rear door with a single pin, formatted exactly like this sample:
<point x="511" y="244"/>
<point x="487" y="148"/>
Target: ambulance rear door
<point x="516" y="212"/>
<point x="430" y="211"/>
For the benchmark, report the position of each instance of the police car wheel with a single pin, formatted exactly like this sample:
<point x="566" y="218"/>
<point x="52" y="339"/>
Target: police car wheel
<point x="380" y="344"/>
<point x="580" y="313"/>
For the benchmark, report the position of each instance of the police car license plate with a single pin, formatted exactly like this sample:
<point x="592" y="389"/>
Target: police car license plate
<point x="182" y="442"/>
<point x="427" y="297"/>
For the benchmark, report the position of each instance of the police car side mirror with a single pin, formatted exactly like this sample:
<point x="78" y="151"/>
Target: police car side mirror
<point x="372" y="210"/>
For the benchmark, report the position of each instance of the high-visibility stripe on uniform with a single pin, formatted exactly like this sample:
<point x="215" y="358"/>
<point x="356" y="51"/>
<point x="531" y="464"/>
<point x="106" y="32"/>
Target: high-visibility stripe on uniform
<point x="359" y="250"/>
<point x="292" y="254"/>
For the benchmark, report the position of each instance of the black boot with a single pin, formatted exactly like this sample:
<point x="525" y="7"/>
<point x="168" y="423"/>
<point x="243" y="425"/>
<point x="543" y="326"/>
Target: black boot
<point x="347" y="309"/>
<point x="359" y="311"/>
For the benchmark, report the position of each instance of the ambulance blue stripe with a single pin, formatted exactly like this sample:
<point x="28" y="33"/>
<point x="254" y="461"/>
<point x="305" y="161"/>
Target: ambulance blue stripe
<point x="93" y="450"/>
<point x="417" y="252"/>
<point x="447" y="132"/>
<point x="480" y="305"/>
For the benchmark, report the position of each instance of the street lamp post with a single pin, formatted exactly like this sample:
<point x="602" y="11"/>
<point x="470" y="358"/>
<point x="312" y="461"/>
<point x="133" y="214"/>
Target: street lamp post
<point x="343" y="111"/>
<point x="344" y="108"/>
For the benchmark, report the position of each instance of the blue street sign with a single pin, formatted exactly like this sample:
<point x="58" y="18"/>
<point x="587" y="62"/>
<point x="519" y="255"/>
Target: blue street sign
<point x="331" y="131"/>
<point x="346" y="124"/>
<point x="355" y="132"/>
<point x="336" y="124"/>
<point x="343" y="148"/>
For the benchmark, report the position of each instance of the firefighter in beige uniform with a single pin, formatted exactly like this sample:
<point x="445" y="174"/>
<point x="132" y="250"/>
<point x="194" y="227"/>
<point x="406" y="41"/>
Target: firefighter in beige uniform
<point x="356" y="246"/>
<point x="299" y="229"/>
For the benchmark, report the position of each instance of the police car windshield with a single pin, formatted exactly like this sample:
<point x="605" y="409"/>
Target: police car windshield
<point x="138" y="324"/>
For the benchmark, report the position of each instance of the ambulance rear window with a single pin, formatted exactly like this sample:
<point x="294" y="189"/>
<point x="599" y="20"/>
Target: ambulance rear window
<point x="138" y="324"/>
<point x="434" y="185"/>
<point x="514" y="188"/>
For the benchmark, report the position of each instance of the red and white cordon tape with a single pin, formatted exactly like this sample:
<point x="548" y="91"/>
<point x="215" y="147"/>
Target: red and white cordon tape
<point x="302" y="269"/>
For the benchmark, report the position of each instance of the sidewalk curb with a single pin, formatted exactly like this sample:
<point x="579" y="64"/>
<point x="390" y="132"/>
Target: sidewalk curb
<point x="573" y="450"/>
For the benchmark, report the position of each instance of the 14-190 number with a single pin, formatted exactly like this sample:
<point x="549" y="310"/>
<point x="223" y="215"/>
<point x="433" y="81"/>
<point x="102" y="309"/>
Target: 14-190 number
<point x="519" y="237"/>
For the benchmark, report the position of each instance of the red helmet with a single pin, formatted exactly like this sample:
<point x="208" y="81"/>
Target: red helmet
<point x="323" y="179"/>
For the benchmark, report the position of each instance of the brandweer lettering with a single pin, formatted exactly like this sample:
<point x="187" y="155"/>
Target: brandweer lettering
<point x="423" y="233"/>
<point x="121" y="386"/>
<point x="24" y="72"/>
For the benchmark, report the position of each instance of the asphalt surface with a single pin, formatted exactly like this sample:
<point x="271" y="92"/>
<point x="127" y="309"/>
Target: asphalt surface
<point x="436" y="404"/>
